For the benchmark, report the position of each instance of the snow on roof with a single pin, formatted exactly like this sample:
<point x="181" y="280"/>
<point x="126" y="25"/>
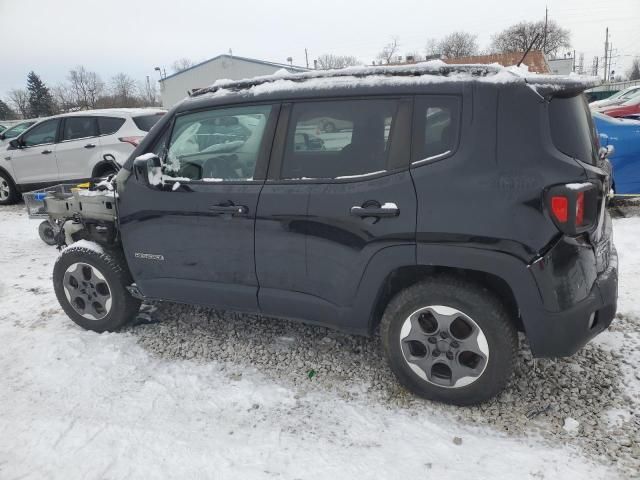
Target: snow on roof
<point x="430" y="72"/>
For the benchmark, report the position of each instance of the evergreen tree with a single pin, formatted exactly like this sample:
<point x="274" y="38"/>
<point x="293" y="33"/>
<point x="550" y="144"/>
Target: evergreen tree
<point x="5" y="112"/>
<point x="40" y="100"/>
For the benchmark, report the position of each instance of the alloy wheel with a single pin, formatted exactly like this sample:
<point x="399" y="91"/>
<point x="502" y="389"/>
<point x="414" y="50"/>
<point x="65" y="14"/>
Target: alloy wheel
<point x="5" y="189"/>
<point x="87" y="291"/>
<point x="444" y="346"/>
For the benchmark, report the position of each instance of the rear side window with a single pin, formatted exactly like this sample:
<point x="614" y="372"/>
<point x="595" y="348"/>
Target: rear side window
<point x="145" y="122"/>
<point x="109" y="125"/>
<point x="572" y="128"/>
<point x="217" y="145"/>
<point x="436" y="126"/>
<point x="79" y="127"/>
<point x="338" y="138"/>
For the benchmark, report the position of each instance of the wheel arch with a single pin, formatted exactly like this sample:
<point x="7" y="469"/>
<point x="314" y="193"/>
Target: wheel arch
<point x="504" y="275"/>
<point x="101" y="166"/>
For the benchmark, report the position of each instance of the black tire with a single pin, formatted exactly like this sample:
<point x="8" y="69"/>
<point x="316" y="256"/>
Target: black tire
<point x="476" y="302"/>
<point x="111" y="266"/>
<point x="8" y="190"/>
<point x="47" y="233"/>
<point x="104" y="172"/>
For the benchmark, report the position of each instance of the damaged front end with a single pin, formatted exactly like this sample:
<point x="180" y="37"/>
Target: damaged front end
<point x="86" y="212"/>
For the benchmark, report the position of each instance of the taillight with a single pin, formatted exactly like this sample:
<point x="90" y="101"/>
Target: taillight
<point x="573" y="206"/>
<point x="135" y="141"/>
<point x="580" y="209"/>
<point x="560" y="208"/>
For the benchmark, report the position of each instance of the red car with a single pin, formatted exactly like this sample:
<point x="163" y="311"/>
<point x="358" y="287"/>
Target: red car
<point x="630" y="107"/>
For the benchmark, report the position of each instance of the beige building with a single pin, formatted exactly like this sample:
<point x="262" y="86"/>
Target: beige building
<point x="174" y="88"/>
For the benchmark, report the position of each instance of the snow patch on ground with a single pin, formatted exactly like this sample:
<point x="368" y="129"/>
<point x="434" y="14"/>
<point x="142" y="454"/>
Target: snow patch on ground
<point x="77" y="405"/>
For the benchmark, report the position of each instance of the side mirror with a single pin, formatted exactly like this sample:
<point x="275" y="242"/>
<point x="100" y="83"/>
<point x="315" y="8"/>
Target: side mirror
<point x="148" y="169"/>
<point x="606" y="152"/>
<point x="2" y="137"/>
<point x="15" y="143"/>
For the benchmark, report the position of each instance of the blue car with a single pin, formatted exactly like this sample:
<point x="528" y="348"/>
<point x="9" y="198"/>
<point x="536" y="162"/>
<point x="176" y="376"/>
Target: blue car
<point x="624" y="135"/>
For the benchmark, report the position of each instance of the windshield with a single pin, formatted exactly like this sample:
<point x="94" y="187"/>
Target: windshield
<point x="17" y="130"/>
<point x="628" y="94"/>
<point x="635" y="100"/>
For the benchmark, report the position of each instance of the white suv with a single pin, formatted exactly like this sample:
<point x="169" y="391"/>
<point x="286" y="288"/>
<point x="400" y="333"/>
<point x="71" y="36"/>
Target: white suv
<point x="71" y="147"/>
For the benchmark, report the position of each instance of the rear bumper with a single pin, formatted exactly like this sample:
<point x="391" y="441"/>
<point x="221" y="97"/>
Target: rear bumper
<point x="562" y="333"/>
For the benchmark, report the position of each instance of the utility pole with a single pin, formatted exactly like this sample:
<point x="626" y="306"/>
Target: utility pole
<point x="546" y="19"/>
<point x="306" y="56"/>
<point x="606" y="53"/>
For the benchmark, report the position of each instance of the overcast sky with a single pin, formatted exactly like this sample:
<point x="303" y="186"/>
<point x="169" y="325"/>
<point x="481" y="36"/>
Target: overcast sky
<point x="134" y="36"/>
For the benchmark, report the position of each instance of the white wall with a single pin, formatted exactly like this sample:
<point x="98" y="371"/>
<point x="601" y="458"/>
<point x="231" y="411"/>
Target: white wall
<point x="174" y="89"/>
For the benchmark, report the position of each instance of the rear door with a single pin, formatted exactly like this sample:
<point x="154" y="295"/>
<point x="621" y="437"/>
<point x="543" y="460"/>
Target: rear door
<point x="335" y="198"/>
<point x="79" y="149"/>
<point x="35" y="163"/>
<point x="192" y="239"/>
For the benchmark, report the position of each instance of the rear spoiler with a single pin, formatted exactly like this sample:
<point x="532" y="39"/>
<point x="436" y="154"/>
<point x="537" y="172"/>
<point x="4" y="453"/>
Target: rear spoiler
<point x="548" y="86"/>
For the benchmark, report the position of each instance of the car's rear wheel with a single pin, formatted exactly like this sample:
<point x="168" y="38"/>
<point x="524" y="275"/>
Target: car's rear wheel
<point x="90" y="285"/>
<point x="8" y="191"/>
<point x="449" y="340"/>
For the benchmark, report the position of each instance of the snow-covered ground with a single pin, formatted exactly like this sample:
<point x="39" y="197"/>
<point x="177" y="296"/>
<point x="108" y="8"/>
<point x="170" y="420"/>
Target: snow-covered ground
<point x="204" y="394"/>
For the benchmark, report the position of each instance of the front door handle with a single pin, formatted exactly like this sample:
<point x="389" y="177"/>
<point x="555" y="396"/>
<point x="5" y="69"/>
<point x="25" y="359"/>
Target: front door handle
<point x="229" y="209"/>
<point x="388" y="209"/>
<point x="90" y="145"/>
<point x="46" y="152"/>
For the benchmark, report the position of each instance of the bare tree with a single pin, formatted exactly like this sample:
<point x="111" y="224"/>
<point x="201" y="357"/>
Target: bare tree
<point x="86" y="87"/>
<point x="432" y="47"/>
<point x="389" y="51"/>
<point x="634" y="71"/>
<point x="124" y="90"/>
<point x="329" y="60"/>
<point x="181" y="64"/>
<point x="64" y="97"/>
<point x="148" y="93"/>
<point x="19" y="98"/>
<point x="518" y="37"/>
<point x="458" y="44"/>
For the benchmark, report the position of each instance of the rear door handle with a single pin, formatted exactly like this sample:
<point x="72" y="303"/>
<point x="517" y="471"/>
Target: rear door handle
<point x="387" y="210"/>
<point x="234" y="210"/>
<point x="46" y="152"/>
<point x="90" y="145"/>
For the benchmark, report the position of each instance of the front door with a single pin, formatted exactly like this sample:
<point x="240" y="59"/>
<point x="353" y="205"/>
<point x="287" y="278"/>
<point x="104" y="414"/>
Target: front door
<point x="335" y="199"/>
<point x="34" y="164"/>
<point x="192" y="239"/>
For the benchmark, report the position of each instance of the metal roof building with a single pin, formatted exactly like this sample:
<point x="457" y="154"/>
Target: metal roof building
<point x="174" y="88"/>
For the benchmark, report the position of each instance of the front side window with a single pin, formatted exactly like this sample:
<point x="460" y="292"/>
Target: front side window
<point x="41" y="134"/>
<point x="339" y="138"/>
<point x="436" y="120"/>
<point x="217" y="145"/>
<point x="79" y="127"/>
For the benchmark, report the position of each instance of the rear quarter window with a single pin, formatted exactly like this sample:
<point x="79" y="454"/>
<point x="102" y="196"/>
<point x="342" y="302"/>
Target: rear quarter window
<point x="109" y="125"/>
<point x="572" y="128"/>
<point x="146" y="122"/>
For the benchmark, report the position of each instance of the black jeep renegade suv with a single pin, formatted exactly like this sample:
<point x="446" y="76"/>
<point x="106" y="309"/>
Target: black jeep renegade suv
<point x="450" y="206"/>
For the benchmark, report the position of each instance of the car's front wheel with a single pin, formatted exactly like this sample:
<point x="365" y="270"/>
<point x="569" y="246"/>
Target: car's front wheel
<point x="8" y="191"/>
<point x="449" y="340"/>
<point x="90" y="285"/>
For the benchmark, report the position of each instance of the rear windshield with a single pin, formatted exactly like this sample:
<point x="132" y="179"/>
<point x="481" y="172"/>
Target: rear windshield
<point x="145" y="122"/>
<point x="572" y="128"/>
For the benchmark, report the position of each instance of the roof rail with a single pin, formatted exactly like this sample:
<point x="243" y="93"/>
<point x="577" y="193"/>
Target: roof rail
<point x="414" y="70"/>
